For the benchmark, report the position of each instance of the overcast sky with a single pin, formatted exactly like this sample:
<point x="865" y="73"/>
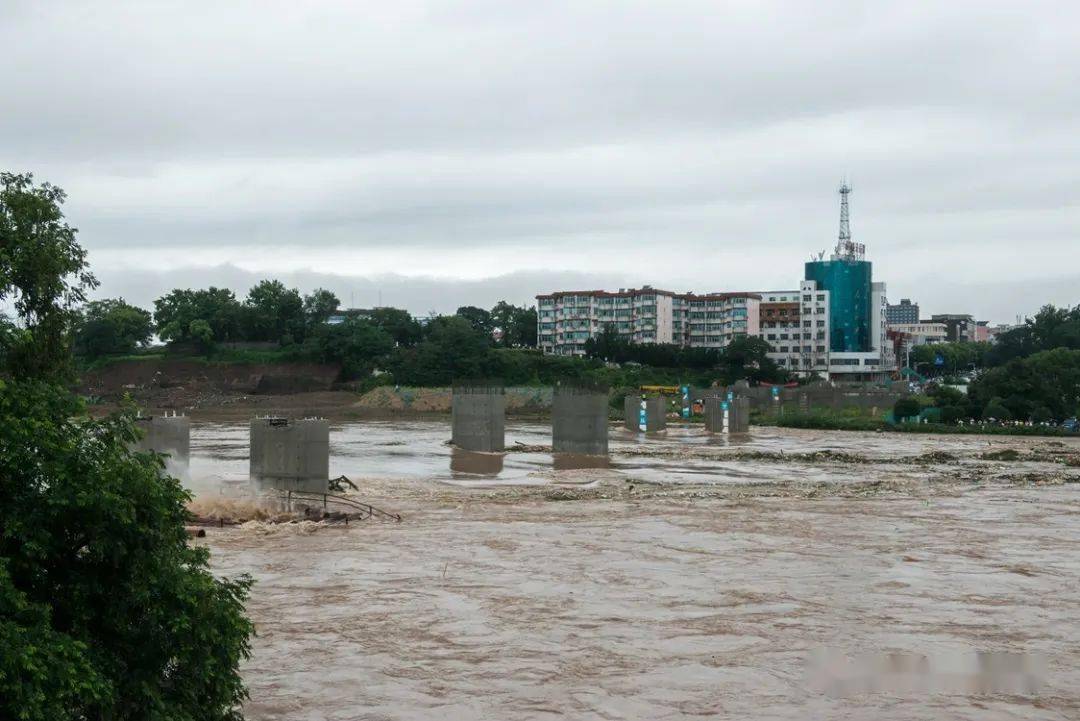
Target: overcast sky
<point x="443" y="153"/>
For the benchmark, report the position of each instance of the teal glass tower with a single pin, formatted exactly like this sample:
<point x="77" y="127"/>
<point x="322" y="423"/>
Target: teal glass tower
<point x="850" y="301"/>
<point x="848" y="278"/>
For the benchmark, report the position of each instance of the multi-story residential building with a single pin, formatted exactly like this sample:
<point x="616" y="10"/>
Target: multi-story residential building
<point x="903" y="312"/>
<point x="713" y="320"/>
<point x="796" y="324"/>
<point x="960" y="326"/>
<point x="565" y="320"/>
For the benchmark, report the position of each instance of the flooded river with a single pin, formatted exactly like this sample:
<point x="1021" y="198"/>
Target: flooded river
<point x="691" y="578"/>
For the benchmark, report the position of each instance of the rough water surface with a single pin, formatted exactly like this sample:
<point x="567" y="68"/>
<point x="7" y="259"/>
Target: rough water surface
<point x="694" y="582"/>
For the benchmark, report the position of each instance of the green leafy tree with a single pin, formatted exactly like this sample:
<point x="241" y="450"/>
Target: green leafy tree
<point x="357" y="344"/>
<point x="1050" y="379"/>
<point x="273" y="312"/>
<point x="1051" y="328"/>
<point x="402" y="327"/>
<point x="319" y="305"/>
<point x="452" y="349"/>
<point x="746" y="357"/>
<point x="110" y="327"/>
<point x="217" y="307"/>
<point x="996" y="410"/>
<point x="106" y="611"/>
<point x="43" y="274"/>
<point x="907" y="407"/>
<point x="518" y="325"/>
<point x="959" y="357"/>
<point x="478" y="318"/>
<point x="1041" y="414"/>
<point x="608" y="345"/>
<point x="525" y="328"/>
<point x="953" y="413"/>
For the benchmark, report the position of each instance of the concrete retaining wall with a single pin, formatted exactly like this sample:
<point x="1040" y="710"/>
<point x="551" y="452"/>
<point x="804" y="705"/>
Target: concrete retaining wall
<point x="655" y="417"/>
<point x="579" y="422"/>
<point x="808" y="399"/>
<point x="479" y="415"/>
<point x="291" y="454"/>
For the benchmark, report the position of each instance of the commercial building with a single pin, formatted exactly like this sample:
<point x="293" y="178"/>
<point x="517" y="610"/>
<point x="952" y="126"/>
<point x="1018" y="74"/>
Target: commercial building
<point x="921" y="333"/>
<point x="959" y="326"/>
<point x="904" y="312"/>
<point x="857" y="339"/>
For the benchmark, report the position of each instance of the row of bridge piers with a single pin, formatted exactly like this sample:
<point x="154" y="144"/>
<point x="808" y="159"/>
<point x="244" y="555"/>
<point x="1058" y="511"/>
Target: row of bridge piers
<point x="294" y="454"/>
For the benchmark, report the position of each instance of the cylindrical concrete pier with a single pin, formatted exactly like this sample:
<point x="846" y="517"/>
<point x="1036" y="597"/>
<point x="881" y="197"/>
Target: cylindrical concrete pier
<point x="644" y="414"/>
<point x="579" y="421"/>
<point x="291" y="454"/>
<point x="479" y="417"/>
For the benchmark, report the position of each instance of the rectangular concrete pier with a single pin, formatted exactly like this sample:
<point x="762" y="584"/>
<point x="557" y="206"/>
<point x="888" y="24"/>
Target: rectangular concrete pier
<point x="170" y="435"/>
<point x="724" y="416"/>
<point x="579" y="421"/>
<point x="290" y="454"/>
<point x="479" y="417"/>
<point x="654" y="417"/>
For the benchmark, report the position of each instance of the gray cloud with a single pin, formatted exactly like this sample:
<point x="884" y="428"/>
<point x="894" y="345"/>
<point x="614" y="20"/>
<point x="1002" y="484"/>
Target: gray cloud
<point x="451" y="145"/>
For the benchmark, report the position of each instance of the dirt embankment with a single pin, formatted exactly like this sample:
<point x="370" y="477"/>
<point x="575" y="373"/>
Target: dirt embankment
<point x="523" y="401"/>
<point x="200" y="385"/>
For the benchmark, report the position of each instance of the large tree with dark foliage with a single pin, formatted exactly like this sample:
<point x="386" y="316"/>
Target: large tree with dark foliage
<point x="274" y="313"/>
<point x="402" y="327"/>
<point x="43" y="275"/>
<point x="1051" y="328"/>
<point x="1046" y="384"/>
<point x="357" y="344"/>
<point x="518" y="325"/>
<point x="478" y="318"/>
<point x="452" y="349"/>
<point x="110" y="327"/>
<point x="204" y="317"/>
<point x="106" y="612"/>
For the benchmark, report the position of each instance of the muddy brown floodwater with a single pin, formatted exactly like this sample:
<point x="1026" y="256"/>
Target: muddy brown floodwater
<point x="691" y="578"/>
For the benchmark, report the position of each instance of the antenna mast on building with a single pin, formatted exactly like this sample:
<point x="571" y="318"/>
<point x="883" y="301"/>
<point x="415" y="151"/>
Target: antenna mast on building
<point x="845" y="249"/>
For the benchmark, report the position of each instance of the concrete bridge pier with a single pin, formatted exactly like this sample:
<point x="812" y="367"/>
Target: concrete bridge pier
<point x="579" y="420"/>
<point x="291" y="454"/>
<point x="479" y="417"/>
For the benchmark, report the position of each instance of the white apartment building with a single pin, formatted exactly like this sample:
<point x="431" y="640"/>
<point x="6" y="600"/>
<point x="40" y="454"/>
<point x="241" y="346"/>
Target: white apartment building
<point x="565" y="320"/>
<point x="796" y="324"/>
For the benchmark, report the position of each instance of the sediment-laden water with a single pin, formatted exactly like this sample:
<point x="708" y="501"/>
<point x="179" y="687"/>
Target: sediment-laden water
<point x="691" y="578"/>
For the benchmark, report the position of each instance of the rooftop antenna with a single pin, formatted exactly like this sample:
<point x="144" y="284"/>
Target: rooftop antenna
<point x="845" y="248"/>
